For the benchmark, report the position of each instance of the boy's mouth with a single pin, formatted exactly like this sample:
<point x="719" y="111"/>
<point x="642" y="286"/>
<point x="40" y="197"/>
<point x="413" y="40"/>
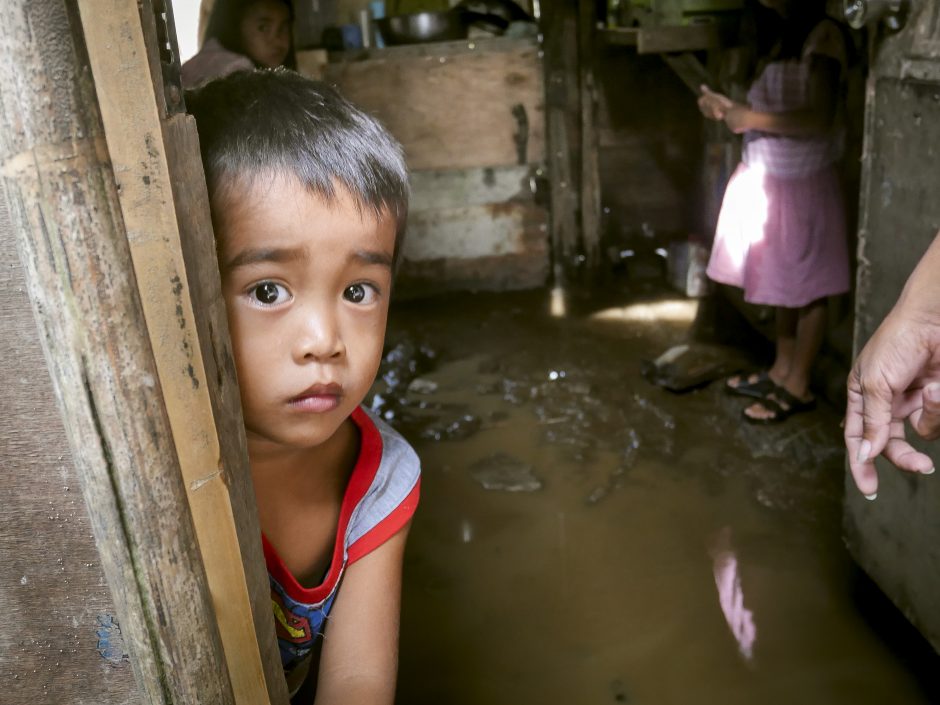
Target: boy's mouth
<point x="318" y="398"/>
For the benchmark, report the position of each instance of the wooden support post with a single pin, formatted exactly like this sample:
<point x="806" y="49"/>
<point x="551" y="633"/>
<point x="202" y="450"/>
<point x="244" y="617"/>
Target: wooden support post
<point x="163" y="198"/>
<point x="563" y="118"/>
<point x="590" y="170"/>
<point x="70" y="235"/>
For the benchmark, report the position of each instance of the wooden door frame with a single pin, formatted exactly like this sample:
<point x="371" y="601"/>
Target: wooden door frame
<point x="101" y="168"/>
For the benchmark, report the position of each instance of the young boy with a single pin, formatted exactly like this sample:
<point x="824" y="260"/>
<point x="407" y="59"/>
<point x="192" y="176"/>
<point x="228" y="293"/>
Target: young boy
<point x="309" y="197"/>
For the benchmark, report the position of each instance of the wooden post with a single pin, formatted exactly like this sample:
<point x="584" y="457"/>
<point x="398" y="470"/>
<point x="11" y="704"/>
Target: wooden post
<point x="590" y="169"/>
<point x="71" y="239"/>
<point x="154" y="149"/>
<point x="563" y="118"/>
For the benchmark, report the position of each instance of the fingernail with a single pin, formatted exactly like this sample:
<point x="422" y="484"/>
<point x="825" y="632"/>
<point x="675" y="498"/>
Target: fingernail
<point x="864" y="450"/>
<point x="932" y="392"/>
<point x="929" y="472"/>
<point x="871" y="497"/>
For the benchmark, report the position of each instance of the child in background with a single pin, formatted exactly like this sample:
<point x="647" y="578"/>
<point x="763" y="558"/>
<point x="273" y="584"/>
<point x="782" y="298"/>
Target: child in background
<point x="309" y="199"/>
<point x="242" y="35"/>
<point x="781" y="234"/>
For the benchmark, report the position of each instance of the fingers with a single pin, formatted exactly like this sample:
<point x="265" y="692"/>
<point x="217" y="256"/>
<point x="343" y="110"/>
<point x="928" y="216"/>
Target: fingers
<point x="927" y="423"/>
<point x="724" y="102"/>
<point x="903" y="455"/>
<point x="876" y="399"/>
<point x="861" y="463"/>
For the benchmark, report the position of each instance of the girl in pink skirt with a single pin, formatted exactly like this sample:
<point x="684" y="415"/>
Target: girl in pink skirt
<point x="781" y="231"/>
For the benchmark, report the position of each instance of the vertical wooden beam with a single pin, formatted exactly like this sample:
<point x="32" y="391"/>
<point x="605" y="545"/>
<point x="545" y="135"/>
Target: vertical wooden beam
<point x="590" y="171"/>
<point x="71" y="239"/>
<point x="163" y="199"/>
<point x="563" y="118"/>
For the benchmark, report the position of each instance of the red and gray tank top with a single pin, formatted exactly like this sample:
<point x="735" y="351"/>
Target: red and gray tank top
<point x="380" y="498"/>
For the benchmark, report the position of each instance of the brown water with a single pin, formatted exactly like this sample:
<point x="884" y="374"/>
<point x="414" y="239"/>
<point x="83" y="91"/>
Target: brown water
<point x="576" y="523"/>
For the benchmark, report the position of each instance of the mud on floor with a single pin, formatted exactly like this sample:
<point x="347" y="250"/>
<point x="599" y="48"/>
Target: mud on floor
<point x="586" y="537"/>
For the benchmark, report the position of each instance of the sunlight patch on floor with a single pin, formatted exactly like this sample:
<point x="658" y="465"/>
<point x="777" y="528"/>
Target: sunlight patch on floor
<point x="669" y="311"/>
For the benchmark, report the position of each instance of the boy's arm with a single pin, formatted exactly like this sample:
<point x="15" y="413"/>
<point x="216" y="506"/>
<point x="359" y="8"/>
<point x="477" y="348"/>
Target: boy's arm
<point x="360" y="648"/>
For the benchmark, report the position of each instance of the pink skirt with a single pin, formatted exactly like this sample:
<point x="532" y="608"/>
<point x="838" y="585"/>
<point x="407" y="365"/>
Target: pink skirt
<point x="782" y="240"/>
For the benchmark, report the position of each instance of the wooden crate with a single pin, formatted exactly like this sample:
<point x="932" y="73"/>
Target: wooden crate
<point x="453" y="105"/>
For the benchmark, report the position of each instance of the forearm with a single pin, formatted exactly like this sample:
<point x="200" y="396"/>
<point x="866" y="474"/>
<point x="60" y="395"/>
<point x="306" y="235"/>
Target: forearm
<point x="795" y="123"/>
<point x="356" y="690"/>
<point x="921" y="295"/>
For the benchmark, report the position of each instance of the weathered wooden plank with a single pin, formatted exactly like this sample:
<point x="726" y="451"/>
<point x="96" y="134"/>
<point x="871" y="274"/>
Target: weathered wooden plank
<point x="214" y="464"/>
<point x="693" y="37"/>
<point x="435" y="50"/>
<point x="476" y="229"/>
<point x="563" y="123"/>
<point x="209" y="317"/>
<point x="495" y="247"/>
<point x="590" y="171"/>
<point x="457" y="188"/>
<point x="71" y="240"/>
<point x="461" y="110"/>
<point x="619" y="36"/>
<point x="53" y="594"/>
<point x="469" y="232"/>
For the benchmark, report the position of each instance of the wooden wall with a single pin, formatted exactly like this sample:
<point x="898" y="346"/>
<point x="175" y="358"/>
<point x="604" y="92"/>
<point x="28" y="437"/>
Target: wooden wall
<point x="77" y="189"/>
<point x="651" y="145"/>
<point x="471" y="118"/>
<point x="61" y="640"/>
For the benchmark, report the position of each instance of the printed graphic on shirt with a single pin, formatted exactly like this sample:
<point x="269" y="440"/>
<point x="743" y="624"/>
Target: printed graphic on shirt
<point x="298" y="625"/>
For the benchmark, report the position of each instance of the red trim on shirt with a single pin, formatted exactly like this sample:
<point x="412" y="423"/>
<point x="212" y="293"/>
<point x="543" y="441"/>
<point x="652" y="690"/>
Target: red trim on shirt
<point x="388" y="527"/>
<point x="367" y="465"/>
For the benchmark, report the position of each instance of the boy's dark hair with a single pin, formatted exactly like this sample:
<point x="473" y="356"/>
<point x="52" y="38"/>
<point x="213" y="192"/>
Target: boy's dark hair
<point x="224" y="26"/>
<point x="254" y="124"/>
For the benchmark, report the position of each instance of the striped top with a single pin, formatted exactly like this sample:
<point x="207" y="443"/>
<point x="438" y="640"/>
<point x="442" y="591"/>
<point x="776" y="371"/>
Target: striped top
<point x="783" y="86"/>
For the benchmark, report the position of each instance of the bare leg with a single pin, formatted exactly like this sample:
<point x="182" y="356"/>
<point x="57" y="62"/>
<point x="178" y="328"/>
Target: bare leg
<point x="786" y="324"/>
<point x="810" y="330"/>
<point x="787" y="328"/>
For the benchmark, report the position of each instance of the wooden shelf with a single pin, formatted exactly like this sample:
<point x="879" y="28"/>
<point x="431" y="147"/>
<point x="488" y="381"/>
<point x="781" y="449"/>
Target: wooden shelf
<point x="665" y="39"/>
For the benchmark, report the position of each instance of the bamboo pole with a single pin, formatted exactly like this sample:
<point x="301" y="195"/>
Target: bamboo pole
<point x="71" y="239"/>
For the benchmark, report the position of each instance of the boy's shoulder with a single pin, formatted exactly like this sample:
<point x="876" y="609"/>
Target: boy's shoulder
<point x="395" y="450"/>
<point x="392" y="470"/>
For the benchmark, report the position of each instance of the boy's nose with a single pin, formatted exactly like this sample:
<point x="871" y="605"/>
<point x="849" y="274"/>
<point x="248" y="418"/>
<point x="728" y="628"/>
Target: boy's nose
<point x="319" y="339"/>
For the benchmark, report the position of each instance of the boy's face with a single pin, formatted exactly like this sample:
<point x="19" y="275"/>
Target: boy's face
<point x="306" y="286"/>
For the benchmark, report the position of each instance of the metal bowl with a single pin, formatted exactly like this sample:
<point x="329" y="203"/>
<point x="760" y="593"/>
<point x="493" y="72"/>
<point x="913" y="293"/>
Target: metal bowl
<point x="423" y="27"/>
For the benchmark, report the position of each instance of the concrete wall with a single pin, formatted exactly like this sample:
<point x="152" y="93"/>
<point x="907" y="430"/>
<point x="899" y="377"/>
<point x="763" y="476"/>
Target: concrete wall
<point x="896" y="538"/>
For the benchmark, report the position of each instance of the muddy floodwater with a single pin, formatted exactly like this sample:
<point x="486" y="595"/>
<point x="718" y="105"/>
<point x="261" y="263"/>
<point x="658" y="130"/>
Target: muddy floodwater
<point x="587" y="537"/>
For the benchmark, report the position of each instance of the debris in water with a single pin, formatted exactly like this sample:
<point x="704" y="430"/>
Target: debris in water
<point x="685" y="367"/>
<point x="668" y="420"/>
<point x="505" y="473"/>
<point x="597" y="494"/>
<point x="458" y="429"/>
<point x="419" y="385"/>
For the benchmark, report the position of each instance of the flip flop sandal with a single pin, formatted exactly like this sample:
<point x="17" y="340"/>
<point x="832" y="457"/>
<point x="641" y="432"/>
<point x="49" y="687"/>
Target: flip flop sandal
<point x="758" y="389"/>
<point x="782" y="405"/>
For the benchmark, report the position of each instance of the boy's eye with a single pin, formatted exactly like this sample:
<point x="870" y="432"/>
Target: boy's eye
<point x="268" y="293"/>
<point x="360" y="294"/>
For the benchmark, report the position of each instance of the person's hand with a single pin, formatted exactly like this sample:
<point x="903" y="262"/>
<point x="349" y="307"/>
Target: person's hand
<point x="713" y="105"/>
<point x="737" y="118"/>
<point x="895" y="378"/>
